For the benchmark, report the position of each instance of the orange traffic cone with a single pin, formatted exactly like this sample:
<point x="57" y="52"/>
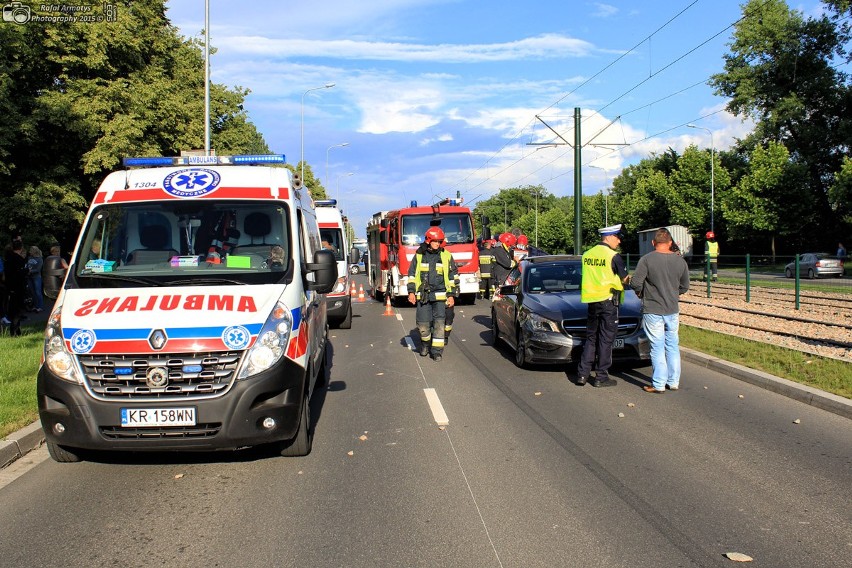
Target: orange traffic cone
<point x="361" y="294"/>
<point x="388" y="309"/>
<point x="352" y="291"/>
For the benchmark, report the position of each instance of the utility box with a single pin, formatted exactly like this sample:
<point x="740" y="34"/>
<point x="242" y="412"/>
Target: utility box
<point x="680" y="234"/>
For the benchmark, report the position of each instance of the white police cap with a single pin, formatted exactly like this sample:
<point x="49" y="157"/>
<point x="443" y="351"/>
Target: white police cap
<point x="612" y="230"/>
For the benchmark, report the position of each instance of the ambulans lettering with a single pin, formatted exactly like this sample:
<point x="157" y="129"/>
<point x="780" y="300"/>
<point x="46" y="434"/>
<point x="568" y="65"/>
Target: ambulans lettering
<point x="167" y="302"/>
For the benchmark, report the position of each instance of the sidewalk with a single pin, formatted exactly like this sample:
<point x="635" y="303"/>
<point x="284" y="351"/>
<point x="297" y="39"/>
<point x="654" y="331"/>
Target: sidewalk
<point x="29" y="438"/>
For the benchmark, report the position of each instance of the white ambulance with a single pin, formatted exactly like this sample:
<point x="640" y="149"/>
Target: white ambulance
<point x="334" y="238"/>
<point x="192" y="316"/>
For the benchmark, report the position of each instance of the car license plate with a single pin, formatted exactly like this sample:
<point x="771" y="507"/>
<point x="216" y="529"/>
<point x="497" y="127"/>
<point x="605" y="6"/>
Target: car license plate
<point x="153" y="417"/>
<point x="618" y="344"/>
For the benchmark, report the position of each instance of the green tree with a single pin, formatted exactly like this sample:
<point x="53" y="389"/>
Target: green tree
<point x="783" y="72"/>
<point x="79" y="96"/>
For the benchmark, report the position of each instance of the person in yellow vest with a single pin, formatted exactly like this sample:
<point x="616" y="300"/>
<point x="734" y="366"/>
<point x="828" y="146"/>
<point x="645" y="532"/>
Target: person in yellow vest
<point x="604" y="277"/>
<point x="711" y="250"/>
<point x="431" y="278"/>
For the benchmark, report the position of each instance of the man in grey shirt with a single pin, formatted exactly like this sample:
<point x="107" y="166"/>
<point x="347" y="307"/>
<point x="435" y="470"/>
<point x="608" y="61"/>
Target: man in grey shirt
<point x="661" y="276"/>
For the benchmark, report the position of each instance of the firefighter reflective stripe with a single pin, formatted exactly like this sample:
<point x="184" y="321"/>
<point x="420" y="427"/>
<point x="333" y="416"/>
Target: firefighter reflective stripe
<point x="426" y="338"/>
<point x="439" y="296"/>
<point x="598" y="278"/>
<point x="713" y="249"/>
<point x="437" y="342"/>
<point x="443" y="269"/>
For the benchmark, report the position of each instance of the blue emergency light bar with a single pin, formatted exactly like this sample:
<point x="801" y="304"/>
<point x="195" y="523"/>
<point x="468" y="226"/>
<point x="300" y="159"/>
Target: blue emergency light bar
<point x="325" y="203"/>
<point x="245" y="160"/>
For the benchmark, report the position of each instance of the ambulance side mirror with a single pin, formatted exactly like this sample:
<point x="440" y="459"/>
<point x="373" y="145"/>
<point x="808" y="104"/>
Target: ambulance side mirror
<point x="324" y="268"/>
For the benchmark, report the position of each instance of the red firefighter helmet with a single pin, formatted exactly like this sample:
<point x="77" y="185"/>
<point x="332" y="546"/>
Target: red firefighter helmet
<point x="434" y="234"/>
<point x="710" y="235"/>
<point x="508" y="239"/>
<point x="523" y="241"/>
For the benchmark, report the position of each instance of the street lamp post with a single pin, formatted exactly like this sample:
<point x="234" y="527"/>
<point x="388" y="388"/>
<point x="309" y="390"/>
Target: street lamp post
<point x="536" y="218"/>
<point x="606" y="195"/>
<point x="338" y="182"/>
<point x="326" y="157"/>
<point x="712" y="176"/>
<point x="302" y="123"/>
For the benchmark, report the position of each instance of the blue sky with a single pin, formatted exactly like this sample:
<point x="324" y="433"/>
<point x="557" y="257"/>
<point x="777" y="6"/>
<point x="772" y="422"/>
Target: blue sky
<point x="436" y="97"/>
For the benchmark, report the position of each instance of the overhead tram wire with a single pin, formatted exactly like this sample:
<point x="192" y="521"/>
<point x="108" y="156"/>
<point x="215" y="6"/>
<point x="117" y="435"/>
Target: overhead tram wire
<point x="569" y="93"/>
<point x="614" y="100"/>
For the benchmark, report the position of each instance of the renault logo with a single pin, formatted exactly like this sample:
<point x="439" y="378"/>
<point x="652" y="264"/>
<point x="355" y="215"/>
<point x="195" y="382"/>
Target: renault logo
<point x="157" y="377"/>
<point x="157" y="339"/>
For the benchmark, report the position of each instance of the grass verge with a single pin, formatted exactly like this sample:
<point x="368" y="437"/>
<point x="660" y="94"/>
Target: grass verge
<point x="18" y="368"/>
<point x="829" y="375"/>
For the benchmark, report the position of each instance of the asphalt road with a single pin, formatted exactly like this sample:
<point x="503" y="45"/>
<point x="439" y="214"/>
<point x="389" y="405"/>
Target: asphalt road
<point x="530" y="471"/>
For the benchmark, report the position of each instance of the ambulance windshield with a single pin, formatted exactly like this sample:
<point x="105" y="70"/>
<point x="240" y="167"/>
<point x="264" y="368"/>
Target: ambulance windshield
<point x="180" y="242"/>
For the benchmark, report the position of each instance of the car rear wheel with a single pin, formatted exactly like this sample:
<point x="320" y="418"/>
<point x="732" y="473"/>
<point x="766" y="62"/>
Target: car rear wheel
<point x="353" y="269"/>
<point x="520" y="350"/>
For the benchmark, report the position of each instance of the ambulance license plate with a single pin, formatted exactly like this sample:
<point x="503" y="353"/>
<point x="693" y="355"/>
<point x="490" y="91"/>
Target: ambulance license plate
<point x="155" y="417"/>
<point x="618" y="344"/>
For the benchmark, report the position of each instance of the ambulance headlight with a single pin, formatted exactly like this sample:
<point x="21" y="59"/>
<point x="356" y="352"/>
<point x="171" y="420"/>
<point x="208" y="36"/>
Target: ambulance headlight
<point x="58" y="359"/>
<point x="271" y="342"/>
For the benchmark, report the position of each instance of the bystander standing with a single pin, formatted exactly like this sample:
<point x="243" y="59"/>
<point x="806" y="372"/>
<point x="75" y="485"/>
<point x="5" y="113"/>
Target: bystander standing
<point x="661" y="276"/>
<point x="35" y="264"/>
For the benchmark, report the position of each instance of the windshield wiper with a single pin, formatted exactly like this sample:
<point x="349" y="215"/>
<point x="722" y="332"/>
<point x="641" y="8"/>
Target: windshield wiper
<point x="122" y="277"/>
<point x="205" y="282"/>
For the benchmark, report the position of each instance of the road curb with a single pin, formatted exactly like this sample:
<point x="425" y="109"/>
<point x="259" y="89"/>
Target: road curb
<point x="20" y="443"/>
<point x="803" y="393"/>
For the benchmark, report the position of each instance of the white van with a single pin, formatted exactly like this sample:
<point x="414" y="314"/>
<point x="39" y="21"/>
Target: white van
<point x="192" y="315"/>
<point x="334" y="238"/>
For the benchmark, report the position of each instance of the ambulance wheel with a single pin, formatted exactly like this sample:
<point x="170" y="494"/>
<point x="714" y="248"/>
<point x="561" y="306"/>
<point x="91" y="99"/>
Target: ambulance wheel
<point x="62" y="454"/>
<point x="520" y="351"/>
<point x="301" y="444"/>
<point x="346" y="323"/>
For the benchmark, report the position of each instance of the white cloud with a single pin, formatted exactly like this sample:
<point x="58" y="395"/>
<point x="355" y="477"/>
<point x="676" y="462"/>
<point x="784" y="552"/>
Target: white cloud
<point x="545" y="46"/>
<point x="603" y="10"/>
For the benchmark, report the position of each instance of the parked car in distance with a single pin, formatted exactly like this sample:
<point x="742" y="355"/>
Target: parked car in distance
<point x="815" y="265"/>
<point x="360" y="266"/>
<point x="538" y="313"/>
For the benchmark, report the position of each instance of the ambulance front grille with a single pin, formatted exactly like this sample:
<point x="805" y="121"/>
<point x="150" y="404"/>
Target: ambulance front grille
<point x="134" y="377"/>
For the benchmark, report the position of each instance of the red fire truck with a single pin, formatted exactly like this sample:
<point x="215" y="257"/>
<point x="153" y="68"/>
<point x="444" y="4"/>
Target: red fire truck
<point x="393" y="238"/>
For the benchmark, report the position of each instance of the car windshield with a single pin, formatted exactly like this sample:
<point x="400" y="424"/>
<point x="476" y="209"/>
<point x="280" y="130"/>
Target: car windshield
<point x="557" y="277"/>
<point x="175" y="242"/>
<point x="457" y="228"/>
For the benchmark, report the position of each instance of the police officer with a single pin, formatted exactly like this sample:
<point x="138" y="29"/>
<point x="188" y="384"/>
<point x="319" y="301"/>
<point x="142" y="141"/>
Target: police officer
<point x="432" y="274"/>
<point x="486" y="259"/>
<point x="604" y="276"/>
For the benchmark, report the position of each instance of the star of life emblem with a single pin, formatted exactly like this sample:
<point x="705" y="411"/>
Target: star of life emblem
<point x="191" y="182"/>
<point x="83" y="341"/>
<point x="236" y="337"/>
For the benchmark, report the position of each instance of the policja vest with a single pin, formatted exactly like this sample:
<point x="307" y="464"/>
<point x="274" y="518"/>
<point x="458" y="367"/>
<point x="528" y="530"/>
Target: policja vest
<point x="443" y="268"/>
<point x="599" y="281"/>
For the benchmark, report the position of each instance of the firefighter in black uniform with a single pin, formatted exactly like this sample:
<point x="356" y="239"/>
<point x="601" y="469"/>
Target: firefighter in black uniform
<point x="503" y="259"/>
<point x="431" y="287"/>
<point x="486" y="260"/>
<point x="604" y="277"/>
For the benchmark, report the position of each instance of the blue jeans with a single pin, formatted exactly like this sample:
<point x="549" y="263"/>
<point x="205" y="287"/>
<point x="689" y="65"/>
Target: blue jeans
<point x="662" y="332"/>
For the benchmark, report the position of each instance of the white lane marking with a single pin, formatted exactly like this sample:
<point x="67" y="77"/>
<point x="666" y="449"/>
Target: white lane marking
<point x="399" y="317"/>
<point x="437" y="408"/>
<point x="410" y="343"/>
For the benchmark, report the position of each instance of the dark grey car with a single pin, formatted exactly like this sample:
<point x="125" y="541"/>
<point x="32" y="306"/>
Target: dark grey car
<point x="538" y="313"/>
